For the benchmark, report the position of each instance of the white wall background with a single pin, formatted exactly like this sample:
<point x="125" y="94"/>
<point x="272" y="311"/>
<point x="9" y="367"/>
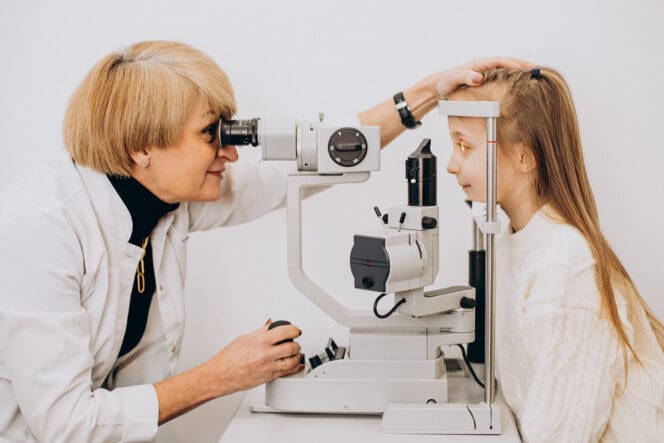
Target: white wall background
<point x="295" y="58"/>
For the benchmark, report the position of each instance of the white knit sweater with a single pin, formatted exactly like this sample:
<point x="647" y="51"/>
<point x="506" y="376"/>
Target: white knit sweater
<point x="559" y="364"/>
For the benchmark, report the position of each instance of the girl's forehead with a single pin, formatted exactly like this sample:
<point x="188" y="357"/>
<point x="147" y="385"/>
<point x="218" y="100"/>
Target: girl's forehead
<point x="466" y="127"/>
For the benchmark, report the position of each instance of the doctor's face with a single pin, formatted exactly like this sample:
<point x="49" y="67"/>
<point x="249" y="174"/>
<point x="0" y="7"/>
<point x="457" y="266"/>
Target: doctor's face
<point x="192" y="169"/>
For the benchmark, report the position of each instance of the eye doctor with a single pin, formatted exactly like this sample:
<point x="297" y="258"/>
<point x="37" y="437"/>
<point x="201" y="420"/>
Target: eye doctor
<point x="92" y="257"/>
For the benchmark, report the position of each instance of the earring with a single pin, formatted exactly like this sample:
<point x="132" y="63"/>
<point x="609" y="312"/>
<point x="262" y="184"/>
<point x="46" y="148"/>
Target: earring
<point x="144" y="164"/>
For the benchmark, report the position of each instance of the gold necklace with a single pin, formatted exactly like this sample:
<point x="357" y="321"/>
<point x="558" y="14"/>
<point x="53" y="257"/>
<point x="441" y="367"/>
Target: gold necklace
<point x="140" y="271"/>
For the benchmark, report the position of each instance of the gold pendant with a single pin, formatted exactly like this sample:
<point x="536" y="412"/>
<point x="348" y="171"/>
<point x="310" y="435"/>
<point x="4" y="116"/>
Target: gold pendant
<point x="140" y="271"/>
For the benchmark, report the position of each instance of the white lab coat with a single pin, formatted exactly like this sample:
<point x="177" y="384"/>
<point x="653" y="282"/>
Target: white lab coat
<point x="66" y="275"/>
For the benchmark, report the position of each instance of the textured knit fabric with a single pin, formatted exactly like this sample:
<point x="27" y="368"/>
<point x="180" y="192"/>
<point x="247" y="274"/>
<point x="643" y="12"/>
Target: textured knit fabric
<point x="559" y="362"/>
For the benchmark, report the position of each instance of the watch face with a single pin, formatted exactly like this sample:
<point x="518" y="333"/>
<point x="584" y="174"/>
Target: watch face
<point x="347" y="147"/>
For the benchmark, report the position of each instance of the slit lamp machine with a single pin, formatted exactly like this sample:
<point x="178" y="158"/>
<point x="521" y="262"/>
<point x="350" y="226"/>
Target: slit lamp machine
<point x="393" y="364"/>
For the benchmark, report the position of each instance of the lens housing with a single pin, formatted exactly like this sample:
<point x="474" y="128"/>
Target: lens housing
<point x="421" y="176"/>
<point x="239" y="132"/>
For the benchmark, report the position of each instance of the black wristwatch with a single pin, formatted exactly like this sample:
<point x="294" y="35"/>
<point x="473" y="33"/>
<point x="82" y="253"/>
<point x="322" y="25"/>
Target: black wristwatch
<point x="404" y="111"/>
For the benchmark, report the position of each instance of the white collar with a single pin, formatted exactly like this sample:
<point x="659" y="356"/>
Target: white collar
<point x="108" y="205"/>
<point x="528" y="238"/>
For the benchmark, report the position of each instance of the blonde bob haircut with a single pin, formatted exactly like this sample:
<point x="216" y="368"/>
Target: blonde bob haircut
<point x="138" y="98"/>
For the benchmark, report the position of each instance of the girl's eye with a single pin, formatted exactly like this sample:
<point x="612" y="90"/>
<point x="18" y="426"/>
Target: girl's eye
<point x="211" y="132"/>
<point x="462" y="147"/>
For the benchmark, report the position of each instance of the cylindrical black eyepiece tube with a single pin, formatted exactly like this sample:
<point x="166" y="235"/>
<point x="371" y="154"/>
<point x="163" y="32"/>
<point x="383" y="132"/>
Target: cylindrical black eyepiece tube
<point x="239" y="132"/>
<point x="421" y="176"/>
<point x="476" y="276"/>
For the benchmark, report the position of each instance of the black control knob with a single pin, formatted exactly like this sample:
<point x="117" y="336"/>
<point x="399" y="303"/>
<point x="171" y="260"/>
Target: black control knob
<point x="429" y="222"/>
<point x="276" y="324"/>
<point x="330" y="354"/>
<point x="347" y="147"/>
<point x="367" y="281"/>
<point x="315" y="361"/>
<point x="467" y="302"/>
<point x="402" y="218"/>
<point x="332" y="344"/>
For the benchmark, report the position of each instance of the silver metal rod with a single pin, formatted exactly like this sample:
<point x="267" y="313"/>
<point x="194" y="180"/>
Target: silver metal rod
<point x="490" y="284"/>
<point x="478" y="238"/>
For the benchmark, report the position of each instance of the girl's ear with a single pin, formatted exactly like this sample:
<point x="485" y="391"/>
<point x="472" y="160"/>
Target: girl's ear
<point x="525" y="159"/>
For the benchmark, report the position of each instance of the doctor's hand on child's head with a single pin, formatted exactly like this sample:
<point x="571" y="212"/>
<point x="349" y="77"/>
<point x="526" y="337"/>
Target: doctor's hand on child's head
<point x="468" y="74"/>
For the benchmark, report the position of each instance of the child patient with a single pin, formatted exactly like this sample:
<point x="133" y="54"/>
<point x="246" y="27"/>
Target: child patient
<point x="579" y="353"/>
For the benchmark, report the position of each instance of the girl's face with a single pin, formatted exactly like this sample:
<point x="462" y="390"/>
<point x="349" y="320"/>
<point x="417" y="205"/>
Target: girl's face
<point x="193" y="168"/>
<point x="468" y="161"/>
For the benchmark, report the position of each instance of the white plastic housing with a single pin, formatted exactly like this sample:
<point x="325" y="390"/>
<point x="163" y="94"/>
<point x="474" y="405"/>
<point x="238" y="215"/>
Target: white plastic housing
<point x="442" y="418"/>
<point x="413" y="251"/>
<point x="277" y="140"/>
<point x="359" y="386"/>
<point x="307" y="142"/>
<point x="469" y="108"/>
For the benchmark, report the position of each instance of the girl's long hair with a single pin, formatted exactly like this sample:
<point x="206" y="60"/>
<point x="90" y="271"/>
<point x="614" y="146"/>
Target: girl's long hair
<point x="536" y="109"/>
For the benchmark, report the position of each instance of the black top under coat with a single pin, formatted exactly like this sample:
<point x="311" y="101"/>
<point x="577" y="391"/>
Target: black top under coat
<point x="146" y="209"/>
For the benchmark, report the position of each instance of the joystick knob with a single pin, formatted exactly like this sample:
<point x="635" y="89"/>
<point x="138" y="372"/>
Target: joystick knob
<point x="278" y="323"/>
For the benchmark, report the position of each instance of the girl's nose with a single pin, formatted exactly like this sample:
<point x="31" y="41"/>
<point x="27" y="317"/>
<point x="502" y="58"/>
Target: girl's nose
<point x="452" y="165"/>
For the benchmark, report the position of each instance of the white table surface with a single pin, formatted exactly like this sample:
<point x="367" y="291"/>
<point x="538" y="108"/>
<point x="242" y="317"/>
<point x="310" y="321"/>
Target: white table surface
<point x="253" y="427"/>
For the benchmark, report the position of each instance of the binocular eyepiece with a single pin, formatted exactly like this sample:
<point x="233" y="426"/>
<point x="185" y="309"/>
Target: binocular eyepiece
<point x="239" y="132"/>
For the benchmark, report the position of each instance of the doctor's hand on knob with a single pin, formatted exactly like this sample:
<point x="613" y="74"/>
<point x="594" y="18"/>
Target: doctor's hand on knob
<point x="256" y="358"/>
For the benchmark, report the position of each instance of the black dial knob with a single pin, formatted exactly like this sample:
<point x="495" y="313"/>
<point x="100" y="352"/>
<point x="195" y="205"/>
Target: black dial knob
<point x="429" y="222"/>
<point x="347" y="147"/>
<point x="276" y="324"/>
<point x="315" y="361"/>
